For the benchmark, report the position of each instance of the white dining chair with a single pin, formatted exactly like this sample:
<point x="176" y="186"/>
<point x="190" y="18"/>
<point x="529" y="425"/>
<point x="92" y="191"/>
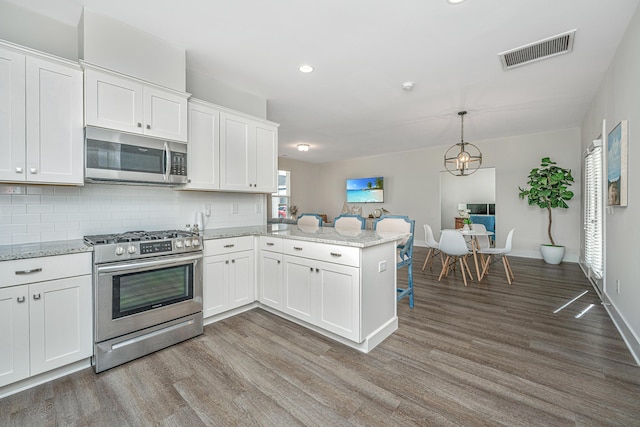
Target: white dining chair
<point x="432" y="244"/>
<point x="495" y="253"/>
<point x="453" y="245"/>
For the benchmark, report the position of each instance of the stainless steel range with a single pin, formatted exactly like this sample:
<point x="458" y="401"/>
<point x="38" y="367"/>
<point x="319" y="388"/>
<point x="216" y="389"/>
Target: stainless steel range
<point x="147" y="293"/>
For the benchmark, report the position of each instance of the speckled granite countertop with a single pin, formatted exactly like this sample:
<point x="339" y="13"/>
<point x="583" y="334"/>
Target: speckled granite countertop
<point x="359" y="238"/>
<point x="35" y="250"/>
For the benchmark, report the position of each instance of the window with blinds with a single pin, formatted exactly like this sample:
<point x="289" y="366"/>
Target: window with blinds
<point x="593" y="212"/>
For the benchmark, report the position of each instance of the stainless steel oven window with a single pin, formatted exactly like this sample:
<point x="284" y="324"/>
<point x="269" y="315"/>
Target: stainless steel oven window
<point x="142" y="291"/>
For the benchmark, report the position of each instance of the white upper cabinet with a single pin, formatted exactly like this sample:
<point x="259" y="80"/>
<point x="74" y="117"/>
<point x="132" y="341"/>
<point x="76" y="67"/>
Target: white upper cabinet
<point x="41" y="135"/>
<point x="203" y="163"/>
<point x="12" y="115"/>
<point x="55" y="137"/>
<point x="248" y="154"/>
<point x="115" y="101"/>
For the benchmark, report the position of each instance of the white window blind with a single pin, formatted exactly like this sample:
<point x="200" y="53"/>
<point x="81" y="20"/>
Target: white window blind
<point x="593" y="211"/>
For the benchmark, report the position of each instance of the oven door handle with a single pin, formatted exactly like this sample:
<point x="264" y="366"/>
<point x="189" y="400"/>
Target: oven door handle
<point x="139" y="265"/>
<point x="167" y="161"/>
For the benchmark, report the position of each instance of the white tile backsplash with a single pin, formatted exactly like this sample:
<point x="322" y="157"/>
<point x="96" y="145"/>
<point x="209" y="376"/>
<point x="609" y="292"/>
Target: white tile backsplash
<point x="48" y="213"/>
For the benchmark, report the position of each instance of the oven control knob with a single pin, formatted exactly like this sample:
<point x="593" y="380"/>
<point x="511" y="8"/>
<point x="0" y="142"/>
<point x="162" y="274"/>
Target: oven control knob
<point x="179" y="243"/>
<point x="187" y="243"/>
<point x="132" y="249"/>
<point x="196" y="243"/>
<point x="119" y="250"/>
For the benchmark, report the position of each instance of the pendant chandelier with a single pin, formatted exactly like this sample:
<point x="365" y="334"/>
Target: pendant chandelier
<point x="463" y="158"/>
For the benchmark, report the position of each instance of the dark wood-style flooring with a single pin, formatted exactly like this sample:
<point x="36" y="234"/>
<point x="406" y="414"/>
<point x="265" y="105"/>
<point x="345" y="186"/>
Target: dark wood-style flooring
<point x="488" y="354"/>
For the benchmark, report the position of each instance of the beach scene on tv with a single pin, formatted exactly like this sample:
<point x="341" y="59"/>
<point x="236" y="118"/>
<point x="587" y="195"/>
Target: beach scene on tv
<point x="365" y="190"/>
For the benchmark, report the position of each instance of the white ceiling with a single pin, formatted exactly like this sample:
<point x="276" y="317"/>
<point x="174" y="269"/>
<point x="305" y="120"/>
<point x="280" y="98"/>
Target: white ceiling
<point x="353" y="104"/>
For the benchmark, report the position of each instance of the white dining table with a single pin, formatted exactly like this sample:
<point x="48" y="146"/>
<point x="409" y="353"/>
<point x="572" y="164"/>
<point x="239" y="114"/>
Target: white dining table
<point x="474" y="243"/>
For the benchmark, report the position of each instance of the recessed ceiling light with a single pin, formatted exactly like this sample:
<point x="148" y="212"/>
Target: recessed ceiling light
<point x="303" y="147"/>
<point x="408" y="86"/>
<point x="305" y="68"/>
<point x="455" y="1"/>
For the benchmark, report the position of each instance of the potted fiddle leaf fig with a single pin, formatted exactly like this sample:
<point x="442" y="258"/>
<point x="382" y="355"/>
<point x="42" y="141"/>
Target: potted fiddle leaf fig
<point x="548" y="188"/>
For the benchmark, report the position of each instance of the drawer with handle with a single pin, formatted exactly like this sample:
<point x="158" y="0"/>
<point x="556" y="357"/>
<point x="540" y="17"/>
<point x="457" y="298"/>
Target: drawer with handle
<point x="268" y="243"/>
<point x="228" y="245"/>
<point x="31" y="270"/>
<point x="345" y="255"/>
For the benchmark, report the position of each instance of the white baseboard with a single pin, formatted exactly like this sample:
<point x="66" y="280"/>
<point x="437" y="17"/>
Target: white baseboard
<point x="630" y="339"/>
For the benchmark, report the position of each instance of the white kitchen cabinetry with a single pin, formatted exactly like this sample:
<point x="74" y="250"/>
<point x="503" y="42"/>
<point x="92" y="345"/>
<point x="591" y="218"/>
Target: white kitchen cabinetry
<point x="325" y="294"/>
<point x="229" y="274"/>
<point x="204" y="147"/>
<point x="270" y="286"/>
<point x="46" y="315"/>
<point x="248" y="154"/>
<point x="41" y="134"/>
<point x="115" y="101"/>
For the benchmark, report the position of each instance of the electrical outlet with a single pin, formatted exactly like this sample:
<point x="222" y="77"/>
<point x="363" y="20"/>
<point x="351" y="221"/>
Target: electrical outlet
<point x="382" y="266"/>
<point x="206" y="208"/>
<point x="258" y="208"/>
<point x="618" y="286"/>
<point x="234" y="208"/>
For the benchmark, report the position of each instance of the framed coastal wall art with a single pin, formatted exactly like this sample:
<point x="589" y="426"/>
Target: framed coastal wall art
<point x="617" y="146"/>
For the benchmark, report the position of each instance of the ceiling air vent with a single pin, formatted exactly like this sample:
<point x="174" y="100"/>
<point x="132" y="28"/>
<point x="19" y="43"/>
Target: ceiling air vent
<point x="532" y="52"/>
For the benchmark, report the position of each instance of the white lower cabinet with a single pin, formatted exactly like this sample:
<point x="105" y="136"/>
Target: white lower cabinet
<point x="45" y="314"/>
<point x="14" y="334"/>
<point x="229" y="274"/>
<point x="270" y="289"/>
<point x="324" y="294"/>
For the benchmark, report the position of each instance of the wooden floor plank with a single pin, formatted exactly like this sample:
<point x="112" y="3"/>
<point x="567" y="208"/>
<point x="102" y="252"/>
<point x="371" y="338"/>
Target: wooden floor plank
<point x="486" y="354"/>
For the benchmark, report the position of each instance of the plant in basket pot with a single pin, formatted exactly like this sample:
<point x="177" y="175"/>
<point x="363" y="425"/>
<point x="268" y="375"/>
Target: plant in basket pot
<point x="548" y="188"/>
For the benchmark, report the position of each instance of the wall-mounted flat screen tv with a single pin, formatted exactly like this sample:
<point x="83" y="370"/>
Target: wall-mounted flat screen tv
<point x="365" y="190"/>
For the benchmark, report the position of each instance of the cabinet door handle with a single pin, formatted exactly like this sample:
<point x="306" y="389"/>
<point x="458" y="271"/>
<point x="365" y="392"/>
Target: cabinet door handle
<point x="36" y="296"/>
<point x="311" y="269"/>
<point x="20" y="299"/>
<point x="35" y="270"/>
<point x="139" y="124"/>
<point x="148" y="126"/>
<point x="226" y="262"/>
<point x="229" y="246"/>
<point x="297" y="248"/>
<point x="18" y="170"/>
<point x="270" y="244"/>
<point x="317" y="270"/>
<point x="278" y="261"/>
<point x="233" y="261"/>
<point x="335" y="254"/>
<point x="33" y="170"/>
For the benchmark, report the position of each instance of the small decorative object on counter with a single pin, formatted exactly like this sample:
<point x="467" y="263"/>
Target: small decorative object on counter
<point x="293" y="211"/>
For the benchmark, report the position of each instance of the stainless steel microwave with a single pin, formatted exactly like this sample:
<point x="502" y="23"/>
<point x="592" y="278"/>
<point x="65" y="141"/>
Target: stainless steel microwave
<point x="118" y="157"/>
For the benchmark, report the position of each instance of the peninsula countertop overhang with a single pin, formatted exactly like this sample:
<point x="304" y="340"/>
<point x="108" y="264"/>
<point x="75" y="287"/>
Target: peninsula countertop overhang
<point x="356" y="238"/>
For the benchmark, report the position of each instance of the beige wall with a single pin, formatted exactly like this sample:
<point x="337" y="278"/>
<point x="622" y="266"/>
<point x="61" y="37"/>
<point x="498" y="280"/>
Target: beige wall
<point x="306" y="185"/>
<point x="412" y="187"/>
<point x="618" y="98"/>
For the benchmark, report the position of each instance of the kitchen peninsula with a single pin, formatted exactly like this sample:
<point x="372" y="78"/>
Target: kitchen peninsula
<point x="341" y="284"/>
